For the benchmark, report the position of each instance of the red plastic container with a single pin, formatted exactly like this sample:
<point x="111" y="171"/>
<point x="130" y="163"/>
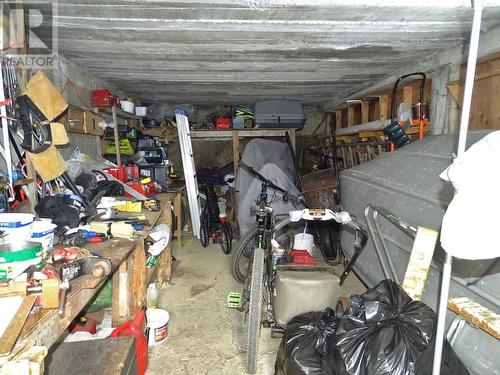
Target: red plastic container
<point x="222" y="123"/>
<point x="132" y="172"/>
<point x="104" y="98"/>
<point x="302" y="258"/>
<point x="135" y="328"/>
<point x="147" y="190"/>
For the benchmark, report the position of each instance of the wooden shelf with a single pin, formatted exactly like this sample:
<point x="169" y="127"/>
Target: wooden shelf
<point x="244" y="133"/>
<point x="119" y="113"/>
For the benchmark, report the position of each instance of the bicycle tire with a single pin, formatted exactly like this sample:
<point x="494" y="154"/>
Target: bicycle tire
<point x="240" y="274"/>
<point x="204" y="234"/>
<point x="225" y="241"/>
<point x="255" y="309"/>
<point x="236" y="271"/>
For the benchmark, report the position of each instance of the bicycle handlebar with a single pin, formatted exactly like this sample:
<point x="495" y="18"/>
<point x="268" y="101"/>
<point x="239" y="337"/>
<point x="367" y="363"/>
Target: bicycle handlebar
<point x="270" y="184"/>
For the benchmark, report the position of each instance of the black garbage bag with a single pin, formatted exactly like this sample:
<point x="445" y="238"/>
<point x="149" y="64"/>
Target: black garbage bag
<point x="384" y="331"/>
<point x="306" y="341"/>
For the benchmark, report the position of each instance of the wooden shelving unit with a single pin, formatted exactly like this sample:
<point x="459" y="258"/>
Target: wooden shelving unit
<point x="117" y="113"/>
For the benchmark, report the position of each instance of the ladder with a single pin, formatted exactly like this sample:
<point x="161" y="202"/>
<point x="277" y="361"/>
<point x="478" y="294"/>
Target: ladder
<point x="189" y="169"/>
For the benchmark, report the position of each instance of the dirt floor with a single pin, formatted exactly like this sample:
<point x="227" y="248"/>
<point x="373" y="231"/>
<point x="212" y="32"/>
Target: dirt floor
<point x="205" y="336"/>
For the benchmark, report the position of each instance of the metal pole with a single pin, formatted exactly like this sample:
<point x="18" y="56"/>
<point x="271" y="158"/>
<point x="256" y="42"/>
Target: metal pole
<point x="462" y="138"/>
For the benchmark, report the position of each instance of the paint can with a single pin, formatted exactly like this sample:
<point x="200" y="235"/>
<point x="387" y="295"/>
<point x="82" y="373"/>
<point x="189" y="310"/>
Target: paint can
<point x="304" y="241"/>
<point x="15" y="227"/>
<point x="157" y="326"/>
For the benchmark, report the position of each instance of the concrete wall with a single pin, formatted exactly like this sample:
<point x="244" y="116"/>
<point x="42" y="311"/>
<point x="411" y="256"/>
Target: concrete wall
<point x="78" y="94"/>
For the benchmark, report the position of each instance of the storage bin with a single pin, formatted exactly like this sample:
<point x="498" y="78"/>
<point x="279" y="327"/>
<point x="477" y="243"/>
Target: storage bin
<point x="279" y="114"/>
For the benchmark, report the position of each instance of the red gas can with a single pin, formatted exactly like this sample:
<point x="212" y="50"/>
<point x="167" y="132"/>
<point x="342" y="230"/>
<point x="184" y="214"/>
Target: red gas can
<point x="135" y="328"/>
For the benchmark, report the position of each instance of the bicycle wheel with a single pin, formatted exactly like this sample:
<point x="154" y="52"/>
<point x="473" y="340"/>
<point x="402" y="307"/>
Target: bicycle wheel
<point x="204" y="235"/>
<point x="225" y="241"/>
<point x="255" y="309"/>
<point x="243" y="249"/>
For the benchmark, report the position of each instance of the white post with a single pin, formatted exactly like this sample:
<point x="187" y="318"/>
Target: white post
<point x="462" y="138"/>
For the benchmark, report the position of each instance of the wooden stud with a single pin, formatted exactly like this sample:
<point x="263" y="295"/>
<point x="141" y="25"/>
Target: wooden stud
<point x="408" y="95"/>
<point x="329" y="122"/>
<point x="350" y="116"/>
<point x="236" y="151"/>
<point x="338" y="119"/>
<point x="120" y="296"/>
<point x="137" y="288"/>
<point x="384" y="107"/>
<point x="117" y="139"/>
<point x="457" y="92"/>
<point x="365" y="111"/>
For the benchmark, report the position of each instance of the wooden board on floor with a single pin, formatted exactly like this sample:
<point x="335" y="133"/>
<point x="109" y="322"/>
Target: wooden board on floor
<point x="9" y="337"/>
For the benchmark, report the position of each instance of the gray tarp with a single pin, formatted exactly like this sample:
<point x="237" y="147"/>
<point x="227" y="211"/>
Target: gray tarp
<point x="272" y="160"/>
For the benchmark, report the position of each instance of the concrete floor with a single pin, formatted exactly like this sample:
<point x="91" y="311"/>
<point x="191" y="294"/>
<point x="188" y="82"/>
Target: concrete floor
<point x="206" y="337"/>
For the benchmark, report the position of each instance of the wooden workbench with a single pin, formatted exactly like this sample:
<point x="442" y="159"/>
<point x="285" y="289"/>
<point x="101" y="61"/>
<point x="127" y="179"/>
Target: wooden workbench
<point x="129" y="278"/>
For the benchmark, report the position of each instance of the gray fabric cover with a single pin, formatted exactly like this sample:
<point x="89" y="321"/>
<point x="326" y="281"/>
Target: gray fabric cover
<point x="272" y="160"/>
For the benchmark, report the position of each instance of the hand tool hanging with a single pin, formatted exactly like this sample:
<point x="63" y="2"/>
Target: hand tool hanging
<point x="395" y="132"/>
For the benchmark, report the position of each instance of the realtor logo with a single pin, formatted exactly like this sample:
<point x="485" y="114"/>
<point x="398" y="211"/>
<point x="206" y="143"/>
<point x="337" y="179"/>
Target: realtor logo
<point x="29" y="34"/>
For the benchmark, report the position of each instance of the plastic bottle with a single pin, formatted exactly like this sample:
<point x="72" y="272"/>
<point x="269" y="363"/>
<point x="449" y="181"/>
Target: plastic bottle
<point x="152" y="296"/>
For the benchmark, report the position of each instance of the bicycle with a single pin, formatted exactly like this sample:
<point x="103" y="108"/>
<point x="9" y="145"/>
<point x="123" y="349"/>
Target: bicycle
<point x="211" y="225"/>
<point x="260" y="271"/>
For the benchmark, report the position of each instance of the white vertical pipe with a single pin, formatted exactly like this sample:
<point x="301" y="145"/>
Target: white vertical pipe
<point x="470" y="75"/>
<point x="462" y="138"/>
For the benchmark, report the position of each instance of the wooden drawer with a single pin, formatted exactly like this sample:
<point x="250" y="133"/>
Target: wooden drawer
<point x="92" y="121"/>
<point x="73" y="120"/>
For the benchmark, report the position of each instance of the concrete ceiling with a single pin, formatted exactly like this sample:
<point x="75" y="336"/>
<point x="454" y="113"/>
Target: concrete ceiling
<point x="219" y="52"/>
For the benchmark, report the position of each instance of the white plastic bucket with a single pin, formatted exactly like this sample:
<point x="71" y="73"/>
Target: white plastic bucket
<point x="157" y="326"/>
<point x="17" y="227"/>
<point x="304" y="241"/>
<point x="127" y="106"/>
<point x="43" y="232"/>
<point x="141" y="111"/>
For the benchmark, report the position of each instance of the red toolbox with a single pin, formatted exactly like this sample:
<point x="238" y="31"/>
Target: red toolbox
<point x="222" y="123"/>
<point x="104" y="98"/>
<point x="147" y="189"/>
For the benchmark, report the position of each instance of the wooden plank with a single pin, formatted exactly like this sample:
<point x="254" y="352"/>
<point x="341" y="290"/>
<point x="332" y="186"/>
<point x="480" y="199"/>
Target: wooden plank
<point x="365" y="111"/>
<point x="408" y="95"/>
<point x="116" y="137"/>
<point x="138" y="273"/>
<point x="13" y="330"/>
<point x="350" y="116"/>
<point x="338" y="119"/>
<point x="164" y="265"/>
<point x="478" y="315"/>
<point x="457" y="93"/>
<point x="384" y="107"/>
<point x="291" y="134"/>
<point x="178" y="218"/>
<point x="420" y="261"/>
<point x="120" y="295"/>
<point x="236" y="151"/>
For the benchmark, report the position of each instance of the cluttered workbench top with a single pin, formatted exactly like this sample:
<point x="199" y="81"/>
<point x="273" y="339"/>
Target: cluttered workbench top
<point x="130" y="269"/>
